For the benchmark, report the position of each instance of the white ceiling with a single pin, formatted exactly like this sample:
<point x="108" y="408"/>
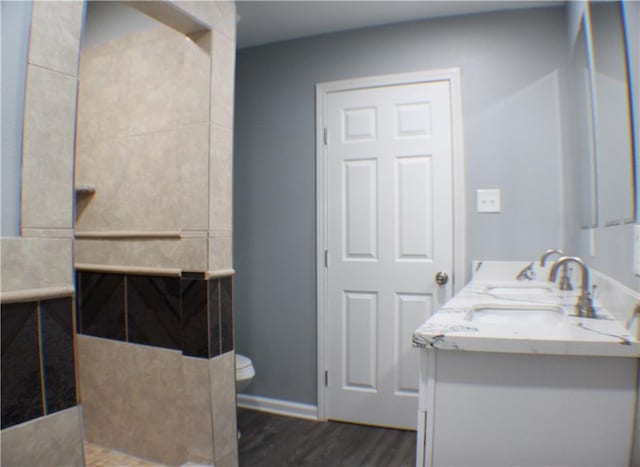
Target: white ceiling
<point x="266" y="21"/>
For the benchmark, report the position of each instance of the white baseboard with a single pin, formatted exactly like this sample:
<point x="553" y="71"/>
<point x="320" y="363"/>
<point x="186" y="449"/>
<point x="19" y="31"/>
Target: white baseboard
<point x="277" y="406"/>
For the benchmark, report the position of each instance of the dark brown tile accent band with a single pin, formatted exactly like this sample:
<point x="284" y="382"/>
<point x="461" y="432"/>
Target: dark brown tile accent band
<point x="37" y="347"/>
<point x="214" y="318"/>
<point x="101" y="300"/>
<point x="221" y="315"/>
<point x="226" y="314"/>
<point x="56" y="324"/>
<point x="195" y="326"/>
<point x="21" y="382"/>
<point x="188" y="313"/>
<point x="193" y="275"/>
<point x="153" y="311"/>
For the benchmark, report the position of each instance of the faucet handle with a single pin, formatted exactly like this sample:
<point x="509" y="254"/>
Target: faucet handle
<point x="527" y="273"/>
<point x="634" y="315"/>
<point x="585" y="305"/>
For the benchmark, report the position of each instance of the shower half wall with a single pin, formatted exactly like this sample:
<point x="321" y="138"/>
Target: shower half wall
<point x="152" y="247"/>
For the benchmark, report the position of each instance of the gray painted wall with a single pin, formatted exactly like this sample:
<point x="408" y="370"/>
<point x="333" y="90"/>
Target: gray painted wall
<point x="16" y="22"/>
<point x="510" y="86"/>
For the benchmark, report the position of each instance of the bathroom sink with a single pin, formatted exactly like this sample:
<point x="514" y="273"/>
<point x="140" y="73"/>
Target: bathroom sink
<point x="519" y="290"/>
<point x="521" y="314"/>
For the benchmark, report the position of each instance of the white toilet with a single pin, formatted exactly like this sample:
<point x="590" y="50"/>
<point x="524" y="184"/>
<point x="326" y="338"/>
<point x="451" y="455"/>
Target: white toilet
<point x="244" y="372"/>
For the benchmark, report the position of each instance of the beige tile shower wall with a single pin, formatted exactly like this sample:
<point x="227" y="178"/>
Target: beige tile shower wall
<point x="220" y="254"/>
<point x="154" y="80"/>
<point x="155" y="121"/>
<point x="55" y="35"/>
<point x="35" y="263"/>
<point x="222" y="80"/>
<point x="50" y="105"/>
<point x="195" y="80"/>
<point x="49" y="126"/>
<point x="154" y="403"/>
<point x="103" y="391"/>
<point x="221" y="158"/>
<point x="143" y="142"/>
<point x="47" y="158"/>
<point x="188" y="254"/>
<point x="52" y="440"/>
<point x="220" y="16"/>
<point x="137" y="181"/>
<point x="194" y="144"/>
<point x="133" y="398"/>
<point x="134" y="112"/>
<point x="223" y="396"/>
<point x="221" y="179"/>
<point x="198" y="414"/>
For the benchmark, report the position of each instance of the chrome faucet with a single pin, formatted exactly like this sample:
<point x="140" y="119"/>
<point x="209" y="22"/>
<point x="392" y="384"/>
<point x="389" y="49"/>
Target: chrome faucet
<point x="584" y="305"/>
<point x="549" y="252"/>
<point x="565" y="282"/>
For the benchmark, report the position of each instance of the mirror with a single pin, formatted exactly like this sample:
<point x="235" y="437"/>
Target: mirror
<point x="581" y="128"/>
<point x="612" y="115"/>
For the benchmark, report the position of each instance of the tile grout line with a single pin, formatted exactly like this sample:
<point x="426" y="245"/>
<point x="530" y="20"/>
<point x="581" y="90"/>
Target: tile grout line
<point x="219" y="285"/>
<point x="126" y="308"/>
<point x="76" y="323"/>
<point x="78" y="302"/>
<point x="210" y="154"/>
<point x="208" y="311"/>
<point x="232" y="317"/>
<point x="47" y="68"/>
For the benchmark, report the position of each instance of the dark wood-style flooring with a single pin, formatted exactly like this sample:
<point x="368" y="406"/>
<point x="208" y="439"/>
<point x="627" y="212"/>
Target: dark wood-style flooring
<point x="273" y="440"/>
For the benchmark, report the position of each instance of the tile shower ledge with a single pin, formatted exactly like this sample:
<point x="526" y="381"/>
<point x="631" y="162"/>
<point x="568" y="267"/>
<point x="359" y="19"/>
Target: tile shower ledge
<point x="30" y="295"/>
<point x="450" y="328"/>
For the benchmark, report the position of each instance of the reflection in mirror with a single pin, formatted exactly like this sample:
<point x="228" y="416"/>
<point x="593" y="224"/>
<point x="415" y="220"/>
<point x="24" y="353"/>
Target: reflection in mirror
<point x="614" y="145"/>
<point x="581" y="124"/>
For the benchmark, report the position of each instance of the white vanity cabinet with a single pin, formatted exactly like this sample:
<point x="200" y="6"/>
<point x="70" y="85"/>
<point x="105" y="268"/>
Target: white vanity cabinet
<point x="505" y="409"/>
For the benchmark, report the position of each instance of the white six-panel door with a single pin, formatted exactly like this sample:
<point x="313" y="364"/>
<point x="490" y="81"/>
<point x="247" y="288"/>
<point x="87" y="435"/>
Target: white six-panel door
<point x="389" y="231"/>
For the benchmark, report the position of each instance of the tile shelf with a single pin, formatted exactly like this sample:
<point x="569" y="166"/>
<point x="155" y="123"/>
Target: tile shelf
<point x="85" y="189"/>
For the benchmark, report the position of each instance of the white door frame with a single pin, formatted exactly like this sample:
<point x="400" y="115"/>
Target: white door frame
<point x="452" y="75"/>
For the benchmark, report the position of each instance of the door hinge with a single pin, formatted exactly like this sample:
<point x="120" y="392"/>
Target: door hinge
<point x="326" y="258"/>
<point x="326" y="136"/>
<point x="326" y="377"/>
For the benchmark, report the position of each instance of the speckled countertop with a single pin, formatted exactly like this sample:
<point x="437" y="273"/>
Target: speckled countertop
<point x="459" y="324"/>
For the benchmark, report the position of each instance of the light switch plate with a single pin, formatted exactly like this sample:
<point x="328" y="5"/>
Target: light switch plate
<point x="488" y="200"/>
<point x="636" y="243"/>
